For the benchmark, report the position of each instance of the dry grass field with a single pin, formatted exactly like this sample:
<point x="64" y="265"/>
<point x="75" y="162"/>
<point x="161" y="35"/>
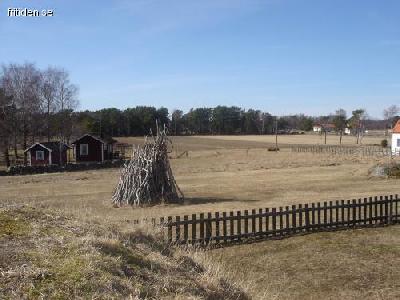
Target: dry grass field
<point x="223" y="174"/>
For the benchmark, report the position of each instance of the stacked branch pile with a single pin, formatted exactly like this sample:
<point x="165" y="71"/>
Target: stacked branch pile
<point x="147" y="178"/>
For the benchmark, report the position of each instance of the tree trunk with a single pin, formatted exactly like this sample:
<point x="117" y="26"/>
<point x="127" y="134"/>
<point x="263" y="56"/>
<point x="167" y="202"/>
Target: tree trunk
<point x="340" y="139"/>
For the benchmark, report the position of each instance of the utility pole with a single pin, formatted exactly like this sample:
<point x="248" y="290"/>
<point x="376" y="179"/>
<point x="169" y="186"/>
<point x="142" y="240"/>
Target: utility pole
<point x="276" y="134"/>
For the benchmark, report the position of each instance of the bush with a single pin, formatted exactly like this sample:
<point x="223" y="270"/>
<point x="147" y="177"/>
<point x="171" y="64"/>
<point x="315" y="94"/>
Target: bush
<point x="273" y="149"/>
<point x="384" y="143"/>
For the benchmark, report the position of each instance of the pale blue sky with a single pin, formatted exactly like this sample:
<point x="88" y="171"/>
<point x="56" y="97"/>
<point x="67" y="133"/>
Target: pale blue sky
<point x="280" y="56"/>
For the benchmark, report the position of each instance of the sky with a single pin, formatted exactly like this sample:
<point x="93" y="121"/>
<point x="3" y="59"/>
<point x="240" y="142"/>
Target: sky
<point x="280" y="56"/>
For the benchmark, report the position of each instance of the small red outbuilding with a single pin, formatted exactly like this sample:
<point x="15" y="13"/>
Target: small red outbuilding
<point x="89" y="148"/>
<point x="47" y="153"/>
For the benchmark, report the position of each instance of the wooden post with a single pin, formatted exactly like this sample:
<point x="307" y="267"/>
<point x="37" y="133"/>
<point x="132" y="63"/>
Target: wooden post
<point x="307" y="217"/>
<point x="365" y="211"/>
<point x="390" y="221"/>
<point x="348" y="212"/>
<point x="267" y="221"/>
<point x="231" y="225"/>
<point x="246" y="222"/>
<point x="330" y="214"/>
<point x="274" y="221"/>
<point x="217" y="227"/>
<point x="336" y="213"/>
<point x="224" y="226"/>
<point x="185" y="229"/>
<point x="194" y="228"/>
<point x="287" y="230"/>
<point x="178" y="229"/>
<point x="319" y="215"/>
<point x="281" y="220"/>
<point x="169" y="229"/>
<point x="325" y="214"/>
<point x="354" y="212"/>
<point x="253" y="222"/>
<point x="300" y="217"/>
<point x="239" y="225"/>
<point x="294" y="215"/>
<point x="208" y="228"/>
<point x="260" y="226"/>
<point x="202" y="240"/>
<point x="370" y="210"/>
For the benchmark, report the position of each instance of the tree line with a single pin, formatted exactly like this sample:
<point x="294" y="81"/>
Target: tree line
<point x="38" y="105"/>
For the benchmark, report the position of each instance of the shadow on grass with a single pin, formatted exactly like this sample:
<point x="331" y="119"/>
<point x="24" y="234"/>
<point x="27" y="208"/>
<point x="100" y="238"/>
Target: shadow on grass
<point x="206" y="200"/>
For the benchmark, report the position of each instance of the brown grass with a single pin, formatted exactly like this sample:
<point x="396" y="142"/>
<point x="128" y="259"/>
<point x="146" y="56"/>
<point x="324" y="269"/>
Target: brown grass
<point x="44" y="255"/>
<point x="225" y="175"/>
<point x="354" y="264"/>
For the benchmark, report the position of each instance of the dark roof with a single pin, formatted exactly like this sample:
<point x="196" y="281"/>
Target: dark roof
<point x="53" y="146"/>
<point x="104" y="140"/>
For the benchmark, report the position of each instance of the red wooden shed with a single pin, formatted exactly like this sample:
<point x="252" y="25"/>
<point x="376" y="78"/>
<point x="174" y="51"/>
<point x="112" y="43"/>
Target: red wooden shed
<point x="47" y="153"/>
<point x="89" y="148"/>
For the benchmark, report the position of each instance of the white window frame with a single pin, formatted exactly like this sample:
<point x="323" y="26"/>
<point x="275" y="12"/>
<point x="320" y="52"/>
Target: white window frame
<point x="41" y="156"/>
<point x="81" y="150"/>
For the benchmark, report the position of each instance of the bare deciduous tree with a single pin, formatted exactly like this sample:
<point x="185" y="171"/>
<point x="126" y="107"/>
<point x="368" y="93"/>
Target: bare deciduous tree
<point x="389" y="114"/>
<point x="22" y="82"/>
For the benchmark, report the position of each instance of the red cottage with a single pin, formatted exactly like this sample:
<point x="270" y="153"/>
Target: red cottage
<point x="90" y="148"/>
<point x="48" y="153"/>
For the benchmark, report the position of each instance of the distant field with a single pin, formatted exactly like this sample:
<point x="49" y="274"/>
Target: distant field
<point x="192" y="143"/>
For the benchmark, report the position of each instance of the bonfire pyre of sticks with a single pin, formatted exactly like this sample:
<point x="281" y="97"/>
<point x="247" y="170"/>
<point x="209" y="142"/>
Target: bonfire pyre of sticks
<point x="147" y="178"/>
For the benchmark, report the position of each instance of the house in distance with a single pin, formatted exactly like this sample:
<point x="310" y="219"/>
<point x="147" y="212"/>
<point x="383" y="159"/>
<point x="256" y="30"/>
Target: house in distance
<point x="89" y="148"/>
<point x="47" y="153"/>
<point x="396" y="139"/>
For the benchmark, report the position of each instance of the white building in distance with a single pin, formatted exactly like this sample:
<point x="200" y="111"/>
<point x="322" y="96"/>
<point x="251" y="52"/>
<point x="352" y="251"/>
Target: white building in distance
<point x="396" y="139"/>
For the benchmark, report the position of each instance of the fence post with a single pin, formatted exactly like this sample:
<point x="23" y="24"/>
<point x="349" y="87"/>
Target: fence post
<point x="239" y="224"/>
<point x="390" y="209"/>
<point x="307" y="217"/>
<point x="294" y="229"/>
<point x="260" y="227"/>
<point x="280" y="220"/>
<point x="253" y="222"/>
<point x="274" y="221"/>
<point x="217" y="227"/>
<point x="202" y="240"/>
<point x="354" y="212"/>
<point x="194" y="227"/>
<point x="231" y="225"/>
<point x="169" y="224"/>
<point x="224" y="231"/>
<point x="185" y="229"/>
<point x="319" y="215"/>
<point x="365" y="211"/>
<point x="336" y="213"/>
<point x="208" y="228"/>
<point x="246" y="222"/>
<point x="287" y="230"/>
<point x="300" y="217"/>
<point x="177" y="229"/>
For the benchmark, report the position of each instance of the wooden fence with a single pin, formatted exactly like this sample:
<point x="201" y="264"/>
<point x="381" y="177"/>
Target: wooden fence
<point x="259" y="224"/>
<point x="343" y="150"/>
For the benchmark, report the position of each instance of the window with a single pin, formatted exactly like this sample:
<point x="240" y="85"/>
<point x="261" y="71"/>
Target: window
<point x="39" y="155"/>
<point x="398" y="142"/>
<point x="84" y="149"/>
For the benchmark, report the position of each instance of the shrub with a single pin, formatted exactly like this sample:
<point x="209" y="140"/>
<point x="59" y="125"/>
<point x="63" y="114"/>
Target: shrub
<point x="384" y="143"/>
<point x="273" y="149"/>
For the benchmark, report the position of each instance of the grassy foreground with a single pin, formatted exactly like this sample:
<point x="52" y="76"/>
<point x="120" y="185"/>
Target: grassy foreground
<point x="46" y="255"/>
